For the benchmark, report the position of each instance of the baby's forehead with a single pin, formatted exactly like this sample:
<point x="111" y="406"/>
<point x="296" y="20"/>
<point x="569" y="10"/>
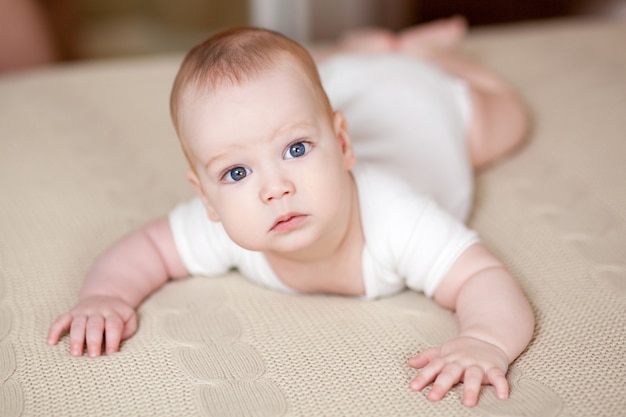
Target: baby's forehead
<point x="281" y="91"/>
<point x="206" y="108"/>
<point x="205" y="89"/>
<point x="282" y="64"/>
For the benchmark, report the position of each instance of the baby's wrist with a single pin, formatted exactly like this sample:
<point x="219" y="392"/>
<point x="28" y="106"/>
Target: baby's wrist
<point x="501" y="348"/>
<point x="101" y="296"/>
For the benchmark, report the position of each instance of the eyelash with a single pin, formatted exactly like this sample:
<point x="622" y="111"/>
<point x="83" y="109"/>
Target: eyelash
<point x="307" y="147"/>
<point x="227" y="176"/>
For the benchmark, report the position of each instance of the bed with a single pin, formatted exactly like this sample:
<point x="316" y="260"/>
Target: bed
<point x="87" y="153"/>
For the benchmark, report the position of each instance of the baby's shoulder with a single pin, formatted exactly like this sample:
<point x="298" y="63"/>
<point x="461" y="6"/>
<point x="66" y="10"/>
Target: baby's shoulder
<point x="382" y="192"/>
<point x="389" y="207"/>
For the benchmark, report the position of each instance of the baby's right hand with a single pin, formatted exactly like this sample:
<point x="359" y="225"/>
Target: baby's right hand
<point x="92" y="320"/>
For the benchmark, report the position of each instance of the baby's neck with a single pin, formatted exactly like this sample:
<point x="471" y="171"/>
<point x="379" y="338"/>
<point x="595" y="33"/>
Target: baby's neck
<point x="336" y="269"/>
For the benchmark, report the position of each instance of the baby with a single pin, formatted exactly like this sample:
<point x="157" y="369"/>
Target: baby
<point x="282" y="197"/>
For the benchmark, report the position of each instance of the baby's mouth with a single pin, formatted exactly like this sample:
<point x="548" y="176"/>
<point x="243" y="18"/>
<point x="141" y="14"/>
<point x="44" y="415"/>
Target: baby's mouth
<point x="288" y="222"/>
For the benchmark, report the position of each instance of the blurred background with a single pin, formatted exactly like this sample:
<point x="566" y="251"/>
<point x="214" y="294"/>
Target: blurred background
<point x="34" y="32"/>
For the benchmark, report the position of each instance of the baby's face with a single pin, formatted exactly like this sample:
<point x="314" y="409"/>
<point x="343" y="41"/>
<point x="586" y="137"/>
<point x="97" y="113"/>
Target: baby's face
<point x="270" y="164"/>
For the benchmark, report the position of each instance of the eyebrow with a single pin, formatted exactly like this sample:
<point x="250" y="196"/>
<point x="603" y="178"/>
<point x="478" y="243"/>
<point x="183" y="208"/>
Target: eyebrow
<point x="221" y="155"/>
<point x="291" y="127"/>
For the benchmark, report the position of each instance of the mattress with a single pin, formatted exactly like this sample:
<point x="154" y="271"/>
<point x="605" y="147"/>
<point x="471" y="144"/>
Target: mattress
<point x="87" y="153"/>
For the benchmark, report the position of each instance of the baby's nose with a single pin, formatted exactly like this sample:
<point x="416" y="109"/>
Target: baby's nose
<point x="276" y="187"/>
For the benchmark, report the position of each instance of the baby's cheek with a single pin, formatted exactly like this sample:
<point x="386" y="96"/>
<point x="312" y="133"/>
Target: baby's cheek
<point x="243" y="233"/>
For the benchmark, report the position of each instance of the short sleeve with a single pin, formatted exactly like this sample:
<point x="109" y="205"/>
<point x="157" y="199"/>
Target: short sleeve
<point x="203" y="245"/>
<point x="206" y="249"/>
<point x="409" y="240"/>
<point x="428" y="246"/>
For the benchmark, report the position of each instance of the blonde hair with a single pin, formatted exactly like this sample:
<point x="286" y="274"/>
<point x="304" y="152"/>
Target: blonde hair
<point x="234" y="56"/>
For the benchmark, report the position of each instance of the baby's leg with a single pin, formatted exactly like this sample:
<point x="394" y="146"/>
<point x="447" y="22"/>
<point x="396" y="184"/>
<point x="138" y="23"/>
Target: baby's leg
<point x="424" y="39"/>
<point x="363" y="40"/>
<point x="367" y="40"/>
<point x="499" y="119"/>
<point x="432" y="38"/>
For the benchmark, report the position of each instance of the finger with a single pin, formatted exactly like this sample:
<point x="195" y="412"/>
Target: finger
<point x="113" y="329"/>
<point x="60" y="325"/>
<point x="424" y="357"/>
<point x="449" y="376"/>
<point x="472" y="382"/>
<point x="77" y="335"/>
<point x="95" y="328"/>
<point x="497" y="378"/>
<point x="130" y="326"/>
<point x="427" y="374"/>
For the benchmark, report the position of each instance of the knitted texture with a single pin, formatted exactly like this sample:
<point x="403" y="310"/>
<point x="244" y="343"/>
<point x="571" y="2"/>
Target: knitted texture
<point x="87" y="153"/>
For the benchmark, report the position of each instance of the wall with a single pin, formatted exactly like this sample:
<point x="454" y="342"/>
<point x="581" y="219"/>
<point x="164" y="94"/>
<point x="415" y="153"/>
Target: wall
<point x="128" y="27"/>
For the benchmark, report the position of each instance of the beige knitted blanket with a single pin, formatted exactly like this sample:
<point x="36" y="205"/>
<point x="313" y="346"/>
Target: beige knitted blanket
<point x="87" y="153"/>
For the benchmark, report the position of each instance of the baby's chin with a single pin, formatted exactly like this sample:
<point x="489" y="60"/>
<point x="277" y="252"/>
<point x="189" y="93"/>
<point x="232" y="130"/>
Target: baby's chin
<point x="295" y="246"/>
<point x="246" y="243"/>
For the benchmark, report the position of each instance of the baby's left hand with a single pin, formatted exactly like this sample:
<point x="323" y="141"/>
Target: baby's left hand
<point x="464" y="359"/>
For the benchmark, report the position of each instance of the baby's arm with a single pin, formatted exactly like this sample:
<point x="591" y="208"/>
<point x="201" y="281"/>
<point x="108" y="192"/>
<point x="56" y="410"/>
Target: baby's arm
<point x="115" y="285"/>
<point x="496" y="322"/>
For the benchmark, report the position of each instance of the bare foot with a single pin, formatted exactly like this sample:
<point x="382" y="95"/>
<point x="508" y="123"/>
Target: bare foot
<point x="432" y="38"/>
<point x="361" y="40"/>
<point x="425" y="40"/>
<point x="367" y="40"/>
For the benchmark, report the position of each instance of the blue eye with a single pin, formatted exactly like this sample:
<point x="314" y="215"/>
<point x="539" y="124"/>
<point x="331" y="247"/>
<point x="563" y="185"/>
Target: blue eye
<point x="297" y="150"/>
<point x="236" y="174"/>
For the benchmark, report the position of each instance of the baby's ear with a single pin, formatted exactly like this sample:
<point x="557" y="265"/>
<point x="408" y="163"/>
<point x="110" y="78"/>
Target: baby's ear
<point x="342" y="133"/>
<point x="195" y="182"/>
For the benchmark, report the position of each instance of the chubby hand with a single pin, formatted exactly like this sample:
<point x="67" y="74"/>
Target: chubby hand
<point x="92" y="320"/>
<point x="464" y="359"/>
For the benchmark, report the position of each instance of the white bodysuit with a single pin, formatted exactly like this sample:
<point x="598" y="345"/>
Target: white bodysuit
<point x="407" y="122"/>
